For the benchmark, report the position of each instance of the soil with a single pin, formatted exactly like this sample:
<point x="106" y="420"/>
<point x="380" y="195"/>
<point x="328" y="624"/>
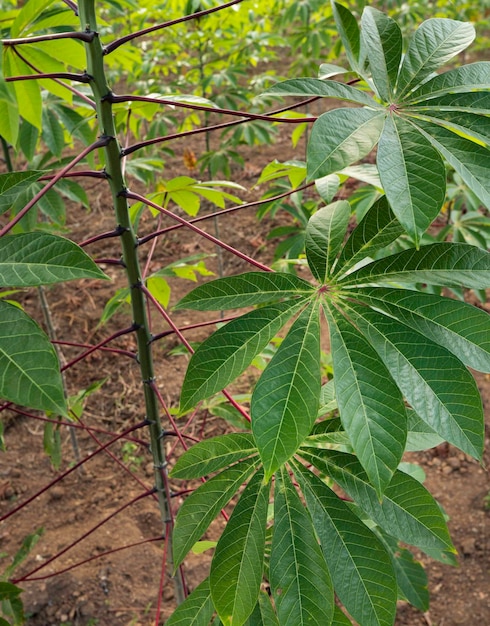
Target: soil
<point x="121" y="588"/>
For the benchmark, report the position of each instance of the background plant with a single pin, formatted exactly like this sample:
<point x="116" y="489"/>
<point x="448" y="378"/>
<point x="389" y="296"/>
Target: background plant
<point x="388" y="393"/>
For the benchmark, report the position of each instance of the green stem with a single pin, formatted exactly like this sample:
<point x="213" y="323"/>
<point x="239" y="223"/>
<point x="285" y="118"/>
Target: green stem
<point x="129" y="244"/>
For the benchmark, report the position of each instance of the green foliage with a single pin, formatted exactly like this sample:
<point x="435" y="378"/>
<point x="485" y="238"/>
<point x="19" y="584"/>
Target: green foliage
<point x="397" y="376"/>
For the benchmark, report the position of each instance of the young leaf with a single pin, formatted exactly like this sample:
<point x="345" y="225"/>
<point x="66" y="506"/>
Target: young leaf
<point x="33" y="259"/>
<point x="299" y="575"/>
<point x="435" y="42"/>
<point x="434" y="381"/>
<point x="230" y="350"/>
<point x="461" y="328"/>
<point x="323" y="89"/>
<point x="377" y="229"/>
<point x="213" y="454"/>
<point x="413" y="176"/>
<point x="349" y="34"/>
<point x="285" y="400"/>
<point x="325" y="233"/>
<point x="382" y="39"/>
<point x="341" y="137"/>
<point x="359" y="564"/>
<point x="407" y="511"/>
<point x="204" y="504"/>
<point x="248" y="289"/>
<point x="446" y="264"/>
<point x="30" y="372"/>
<point x="371" y="406"/>
<point x="238" y="562"/>
<point x="196" y="610"/>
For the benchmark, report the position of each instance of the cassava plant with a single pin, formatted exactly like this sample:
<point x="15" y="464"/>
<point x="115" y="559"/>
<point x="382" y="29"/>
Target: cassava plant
<point x="321" y="502"/>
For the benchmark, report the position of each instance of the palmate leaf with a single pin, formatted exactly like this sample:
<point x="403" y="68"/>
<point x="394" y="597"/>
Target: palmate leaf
<point x="477" y="102"/>
<point x="371" y="406"/>
<point x="14" y="183"/>
<point x="323" y="89"/>
<point x="248" y="289"/>
<point x="469" y="159"/>
<point x="300" y="580"/>
<point x="196" y="610"/>
<point x="382" y="40"/>
<point x="410" y="575"/>
<point x="349" y="34"/>
<point x="471" y="77"/>
<point x="29" y="368"/>
<point x="461" y="328"/>
<point x="436" y="384"/>
<point x="341" y="137"/>
<point x="413" y="175"/>
<point x="358" y="562"/>
<point x="435" y="42"/>
<point x="325" y="233"/>
<point x="470" y="126"/>
<point x="285" y="400"/>
<point x="203" y="505"/>
<point x="407" y="510"/>
<point x="238" y="562"/>
<point x="446" y="264"/>
<point x="377" y="229"/>
<point x="230" y="350"/>
<point x="213" y="454"/>
<point x="263" y="614"/>
<point x="33" y="259"/>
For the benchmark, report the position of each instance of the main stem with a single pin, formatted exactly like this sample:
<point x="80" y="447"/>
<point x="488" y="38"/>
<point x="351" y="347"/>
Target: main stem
<point x="129" y="244"/>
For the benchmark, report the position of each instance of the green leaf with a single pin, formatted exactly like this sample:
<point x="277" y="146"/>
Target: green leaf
<point x="300" y="580"/>
<point x="410" y="575"/>
<point x="14" y="183"/>
<point x="435" y="42"/>
<point x="377" y="229"/>
<point x="325" y="233"/>
<point x="341" y="137"/>
<point x="53" y="207"/>
<point x="27" y="92"/>
<point x="477" y="102"/>
<point x="469" y="159"/>
<point x="8" y="591"/>
<point x="470" y="77"/>
<point x="9" y="113"/>
<point x="349" y="33"/>
<point x="446" y="264"/>
<point x="52" y="132"/>
<point x="285" y="401"/>
<point x="203" y="505"/>
<point x="413" y="176"/>
<point x="382" y="39"/>
<point x="263" y="614"/>
<point x="359" y="564"/>
<point x="339" y="618"/>
<point x="196" y="610"/>
<point x="230" y="350"/>
<point x="238" y="562"/>
<point x="407" y="511"/>
<point x="461" y="328"/>
<point x="33" y="259"/>
<point x="371" y="406"/>
<point x="213" y="454"/>
<point x="248" y="289"/>
<point x="434" y="381"/>
<point x="323" y="89"/>
<point x="470" y="126"/>
<point x="420" y="435"/>
<point x="30" y="372"/>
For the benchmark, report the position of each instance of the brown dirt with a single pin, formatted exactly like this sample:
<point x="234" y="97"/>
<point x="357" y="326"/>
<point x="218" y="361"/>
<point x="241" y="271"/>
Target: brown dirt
<point x="121" y="589"/>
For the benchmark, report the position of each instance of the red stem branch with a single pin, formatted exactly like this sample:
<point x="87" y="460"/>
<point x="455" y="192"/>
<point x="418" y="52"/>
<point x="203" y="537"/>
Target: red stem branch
<point x="199" y="231"/>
